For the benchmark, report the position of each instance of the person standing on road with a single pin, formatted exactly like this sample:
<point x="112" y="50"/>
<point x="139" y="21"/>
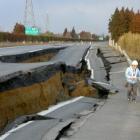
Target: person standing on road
<point x="132" y="74"/>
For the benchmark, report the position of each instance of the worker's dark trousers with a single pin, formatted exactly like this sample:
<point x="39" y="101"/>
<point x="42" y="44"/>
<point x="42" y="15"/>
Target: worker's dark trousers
<point x="132" y="91"/>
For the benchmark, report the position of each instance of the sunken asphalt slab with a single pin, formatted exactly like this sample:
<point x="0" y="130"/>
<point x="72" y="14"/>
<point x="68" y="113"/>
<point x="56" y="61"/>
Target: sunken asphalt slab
<point x="8" y="51"/>
<point x="71" y="56"/>
<point x="97" y="65"/>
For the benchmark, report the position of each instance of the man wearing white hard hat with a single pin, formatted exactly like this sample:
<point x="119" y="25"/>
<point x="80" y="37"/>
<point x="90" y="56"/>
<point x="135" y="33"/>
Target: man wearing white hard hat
<point x="132" y="74"/>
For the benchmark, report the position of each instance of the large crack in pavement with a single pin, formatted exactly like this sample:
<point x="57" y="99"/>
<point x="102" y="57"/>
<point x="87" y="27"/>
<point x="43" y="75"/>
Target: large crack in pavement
<point x="106" y="63"/>
<point x="73" y="126"/>
<point x="82" y="117"/>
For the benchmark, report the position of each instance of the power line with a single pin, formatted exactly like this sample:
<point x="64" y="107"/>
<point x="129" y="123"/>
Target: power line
<point x="29" y="18"/>
<point x="47" y="22"/>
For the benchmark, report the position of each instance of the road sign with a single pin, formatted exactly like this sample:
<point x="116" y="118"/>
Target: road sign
<point x="31" y="31"/>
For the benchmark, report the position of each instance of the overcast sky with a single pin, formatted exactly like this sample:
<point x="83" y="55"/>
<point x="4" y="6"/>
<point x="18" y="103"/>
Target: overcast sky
<point x="55" y="15"/>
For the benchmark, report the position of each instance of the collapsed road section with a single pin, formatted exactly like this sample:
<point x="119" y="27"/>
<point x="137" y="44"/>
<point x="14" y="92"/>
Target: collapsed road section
<point x="107" y="123"/>
<point x="29" y="88"/>
<point x="33" y="87"/>
<point x="23" y="53"/>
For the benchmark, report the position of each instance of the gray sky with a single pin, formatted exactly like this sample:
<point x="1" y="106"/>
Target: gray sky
<point x="55" y="15"/>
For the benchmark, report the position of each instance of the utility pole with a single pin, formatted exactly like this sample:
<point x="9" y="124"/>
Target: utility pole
<point x="47" y="22"/>
<point x="29" y="19"/>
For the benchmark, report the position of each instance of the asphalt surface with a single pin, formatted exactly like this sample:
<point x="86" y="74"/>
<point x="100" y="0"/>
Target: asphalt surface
<point x="71" y="56"/>
<point x="118" y="119"/>
<point x="12" y="68"/>
<point x="7" y="51"/>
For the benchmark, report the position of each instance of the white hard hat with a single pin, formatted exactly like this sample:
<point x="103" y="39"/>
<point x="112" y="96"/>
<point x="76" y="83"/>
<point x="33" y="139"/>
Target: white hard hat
<point x="135" y="62"/>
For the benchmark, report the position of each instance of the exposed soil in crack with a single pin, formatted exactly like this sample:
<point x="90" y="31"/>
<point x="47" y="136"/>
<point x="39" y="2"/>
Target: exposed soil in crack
<point x="26" y="94"/>
<point x="63" y="131"/>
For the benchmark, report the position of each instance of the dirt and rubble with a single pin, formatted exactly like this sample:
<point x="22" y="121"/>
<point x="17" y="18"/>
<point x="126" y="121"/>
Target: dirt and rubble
<point x="30" y="93"/>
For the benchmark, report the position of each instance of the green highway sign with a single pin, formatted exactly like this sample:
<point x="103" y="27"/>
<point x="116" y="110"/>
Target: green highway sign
<point x="31" y="31"/>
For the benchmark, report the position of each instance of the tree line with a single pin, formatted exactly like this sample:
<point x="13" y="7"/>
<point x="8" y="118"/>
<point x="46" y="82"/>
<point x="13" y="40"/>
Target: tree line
<point x="124" y="21"/>
<point x="14" y="37"/>
<point x="18" y="35"/>
<point x="82" y="35"/>
<point x="20" y="29"/>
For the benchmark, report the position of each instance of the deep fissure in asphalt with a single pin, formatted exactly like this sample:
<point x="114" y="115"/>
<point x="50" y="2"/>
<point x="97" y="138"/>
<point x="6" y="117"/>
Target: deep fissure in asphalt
<point x="106" y="63"/>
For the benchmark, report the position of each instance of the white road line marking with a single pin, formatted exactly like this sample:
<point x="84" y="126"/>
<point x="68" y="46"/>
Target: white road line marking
<point x="53" y="108"/>
<point x="116" y="72"/>
<point x="102" y="83"/>
<point x="88" y="64"/>
<point x="92" y="74"/>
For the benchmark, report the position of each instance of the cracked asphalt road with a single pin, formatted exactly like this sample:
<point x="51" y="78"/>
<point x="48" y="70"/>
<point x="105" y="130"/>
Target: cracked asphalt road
<point x="117" y="119"/>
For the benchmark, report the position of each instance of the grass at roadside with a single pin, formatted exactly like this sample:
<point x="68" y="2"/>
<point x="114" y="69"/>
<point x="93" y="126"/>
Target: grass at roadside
<point x="131" y="44"/>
